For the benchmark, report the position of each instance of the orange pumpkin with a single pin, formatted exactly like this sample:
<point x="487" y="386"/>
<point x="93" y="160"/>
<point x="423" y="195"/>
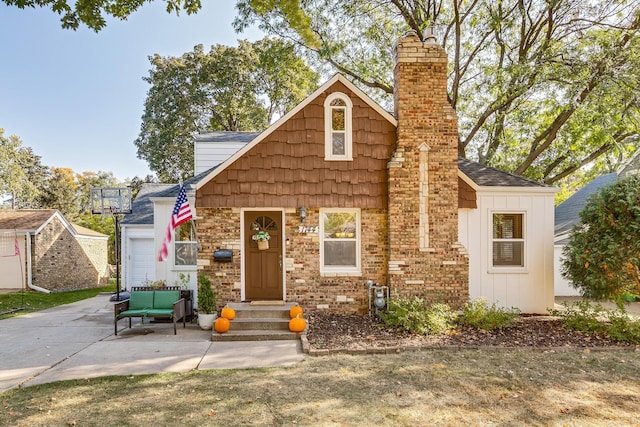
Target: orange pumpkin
<point x="221" y="325"/>
<point x="228" y="313"/>
<point x="295" y="311"/>
<point x="297" y="324"/>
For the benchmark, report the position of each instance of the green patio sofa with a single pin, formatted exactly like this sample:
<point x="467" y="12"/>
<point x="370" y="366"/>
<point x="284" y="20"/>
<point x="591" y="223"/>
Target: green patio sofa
<point x="156" y="304"/>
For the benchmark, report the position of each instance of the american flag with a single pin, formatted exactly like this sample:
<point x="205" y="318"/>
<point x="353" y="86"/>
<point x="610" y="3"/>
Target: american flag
<point x="181" y="214"/>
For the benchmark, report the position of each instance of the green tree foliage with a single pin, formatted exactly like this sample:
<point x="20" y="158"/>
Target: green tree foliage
<point x="68" y="192"/>
<point x="92" y="13"/>
<point x="602" y="259"/>
<point x="60" y="192"/>
<point x="136" y="183"/>
<point x="542" y="88"/>
<point x="228" y="88"/>
<point x="20" y="172"/>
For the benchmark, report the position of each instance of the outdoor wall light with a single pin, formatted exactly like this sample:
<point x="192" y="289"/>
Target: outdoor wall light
<point x="303" y="214"/>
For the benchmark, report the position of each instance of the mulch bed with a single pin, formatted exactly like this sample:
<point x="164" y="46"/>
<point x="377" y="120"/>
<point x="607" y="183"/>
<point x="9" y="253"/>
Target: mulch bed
<point x="335" y="332"/>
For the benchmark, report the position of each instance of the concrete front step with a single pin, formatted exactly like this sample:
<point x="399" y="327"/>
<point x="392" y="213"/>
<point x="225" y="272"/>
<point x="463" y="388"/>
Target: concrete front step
<point x="246" y="310"/>
<point x="258" y="323"/>
<point x="255" y="335"/>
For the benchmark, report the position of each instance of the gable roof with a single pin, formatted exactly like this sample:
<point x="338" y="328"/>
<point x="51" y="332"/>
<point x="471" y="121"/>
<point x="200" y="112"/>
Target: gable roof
<point x="336" y="78"/>
<point x="142" y="206"/>
<point x="34" y="220"/>
<point x="26" y="219"/>
<point x="227" y="136"/>
<point x="487" y="176"/>
<point x="567" y="213"/>
<point x="83" y="231"/>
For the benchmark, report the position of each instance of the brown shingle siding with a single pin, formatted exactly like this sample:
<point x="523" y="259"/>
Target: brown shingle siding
<point x="290" y="161"/>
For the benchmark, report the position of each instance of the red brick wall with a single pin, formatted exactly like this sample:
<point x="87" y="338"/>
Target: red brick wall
<point x="439" y="271"/>
<point x="219" y="228"/>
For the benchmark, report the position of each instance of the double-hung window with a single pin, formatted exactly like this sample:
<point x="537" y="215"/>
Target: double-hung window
<point x="508" y="240"/>
<point x="337" y="127"/>
<point x="185" y="246"/>
<point x="340" y="246"/>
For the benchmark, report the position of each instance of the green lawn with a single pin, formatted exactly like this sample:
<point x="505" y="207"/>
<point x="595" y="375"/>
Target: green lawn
<point x="30" y="301"/>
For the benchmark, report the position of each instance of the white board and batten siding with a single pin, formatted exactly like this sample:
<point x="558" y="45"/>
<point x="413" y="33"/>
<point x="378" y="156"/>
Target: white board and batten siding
<point x="138" y="263"/>
<point x="530" y="289"/>
<point x="209" y="154"/>
<point x="563" y="287"/>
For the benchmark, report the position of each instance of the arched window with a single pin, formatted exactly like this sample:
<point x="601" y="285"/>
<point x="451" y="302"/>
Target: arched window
<point x="337" y="127"/>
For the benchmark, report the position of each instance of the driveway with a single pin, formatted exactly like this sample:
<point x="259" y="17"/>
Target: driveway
<point x="76" y="341"/>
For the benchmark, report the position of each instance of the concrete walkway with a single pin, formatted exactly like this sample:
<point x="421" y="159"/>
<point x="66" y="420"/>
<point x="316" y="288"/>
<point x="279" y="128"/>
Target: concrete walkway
<point x="76" y="341"/>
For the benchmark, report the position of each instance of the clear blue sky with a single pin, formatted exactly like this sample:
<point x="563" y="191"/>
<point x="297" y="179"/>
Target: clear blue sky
<point x="76" y="97"/>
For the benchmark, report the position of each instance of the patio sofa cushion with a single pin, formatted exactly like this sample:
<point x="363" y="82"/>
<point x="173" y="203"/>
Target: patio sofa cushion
<point x="165" y="299"/>
<point x="141" y="300"/>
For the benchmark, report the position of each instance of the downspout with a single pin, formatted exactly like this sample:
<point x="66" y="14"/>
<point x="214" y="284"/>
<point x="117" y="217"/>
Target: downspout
<point x="29" y="264"/>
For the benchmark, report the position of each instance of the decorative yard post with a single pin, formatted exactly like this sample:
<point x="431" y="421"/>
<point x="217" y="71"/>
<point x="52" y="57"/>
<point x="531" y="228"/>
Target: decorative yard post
<point x="424" y="256"/>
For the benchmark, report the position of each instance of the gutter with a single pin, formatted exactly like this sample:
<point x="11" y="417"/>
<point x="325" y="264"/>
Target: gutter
<point x="29" y="267"/>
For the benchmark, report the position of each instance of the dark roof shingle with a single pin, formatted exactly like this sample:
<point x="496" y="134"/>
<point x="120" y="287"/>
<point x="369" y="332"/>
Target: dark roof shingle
<point x="567" y="213"/>
<point x="26" y="219"/>
<point x="487" y="176"/>
<point x="142" y="206"/>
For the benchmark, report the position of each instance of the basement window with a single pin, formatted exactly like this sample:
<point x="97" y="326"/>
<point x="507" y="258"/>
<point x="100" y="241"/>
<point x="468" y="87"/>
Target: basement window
<point x="338" y="127"/>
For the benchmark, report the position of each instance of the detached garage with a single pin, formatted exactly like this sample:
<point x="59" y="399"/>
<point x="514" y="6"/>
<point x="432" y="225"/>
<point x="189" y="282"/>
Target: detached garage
<point x="43" y="251"/>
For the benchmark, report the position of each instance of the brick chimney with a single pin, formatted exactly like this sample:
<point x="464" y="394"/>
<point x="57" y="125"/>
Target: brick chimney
<point x="424" y="256"/>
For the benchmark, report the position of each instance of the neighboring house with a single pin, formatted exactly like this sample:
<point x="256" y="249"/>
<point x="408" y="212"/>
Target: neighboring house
<point x="567" y="215"/>
<point x="349" y="193"/>
<point x="48" y="253"/>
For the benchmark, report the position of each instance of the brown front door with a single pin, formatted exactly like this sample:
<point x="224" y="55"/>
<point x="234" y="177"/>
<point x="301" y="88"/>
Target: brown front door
<point x="263" y="267"/>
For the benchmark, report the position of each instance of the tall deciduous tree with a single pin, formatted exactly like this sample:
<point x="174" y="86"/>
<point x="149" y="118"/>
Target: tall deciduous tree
<point x="92" y="13"/>
<point x="20" y="172"/>
<point x="228" y="88"/>
<point x="541" y="88"/>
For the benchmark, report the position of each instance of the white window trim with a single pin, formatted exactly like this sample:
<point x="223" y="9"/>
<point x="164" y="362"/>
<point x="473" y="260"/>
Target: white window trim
<point x="508" y="268"/>
<point x="342" y="270"/>
<point x="176" y="244"/>
<point x="348" y="128"/>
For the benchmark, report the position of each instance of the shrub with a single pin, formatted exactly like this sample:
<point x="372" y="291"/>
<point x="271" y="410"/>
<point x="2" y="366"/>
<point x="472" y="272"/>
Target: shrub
<point x="415" y="316"/>
<point x="623" y="328"/>
<point x="601" y="259"/>
<point x="581" y="316"/>
<point x="480" y="315"/>
<point x="206" y="297"/>
<point x="615" y="324"/>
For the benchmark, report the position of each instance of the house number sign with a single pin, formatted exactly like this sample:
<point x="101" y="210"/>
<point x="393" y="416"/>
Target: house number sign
<point x="308" y="229"/>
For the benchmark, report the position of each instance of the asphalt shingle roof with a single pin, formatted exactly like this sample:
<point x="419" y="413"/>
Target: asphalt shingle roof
<point x="227" y="136"/>
<point x="487" y="176"/>
<point x="142" y="206"/>
<point x="25" y="219"/>
<point x="567" y="212"/>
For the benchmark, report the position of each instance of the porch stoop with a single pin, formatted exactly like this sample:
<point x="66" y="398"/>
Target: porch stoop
<point x="258" y="323"/>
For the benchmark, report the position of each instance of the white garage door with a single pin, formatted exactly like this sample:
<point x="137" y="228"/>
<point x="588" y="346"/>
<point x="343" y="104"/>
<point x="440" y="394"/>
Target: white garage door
<point x="143" y="265"/>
